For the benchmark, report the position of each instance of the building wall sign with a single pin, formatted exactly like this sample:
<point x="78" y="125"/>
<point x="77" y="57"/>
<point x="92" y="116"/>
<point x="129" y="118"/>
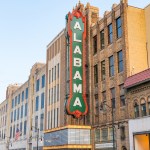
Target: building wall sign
<point x="67" y="137"/>
<point x="77" y="104"/>
<point x="104" y="145"/>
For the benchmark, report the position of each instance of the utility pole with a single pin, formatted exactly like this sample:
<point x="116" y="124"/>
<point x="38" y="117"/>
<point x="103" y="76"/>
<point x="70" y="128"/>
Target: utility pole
<point x="37" y="129"/>
<point x="112" y="114"/>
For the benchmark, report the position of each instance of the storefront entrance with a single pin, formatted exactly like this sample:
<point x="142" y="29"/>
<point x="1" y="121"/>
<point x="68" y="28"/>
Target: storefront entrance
<point x="142" y="141"/>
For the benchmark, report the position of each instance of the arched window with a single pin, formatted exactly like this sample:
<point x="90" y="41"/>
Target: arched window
<point x="136" y="110"/>
<point x="143" y="107"/>
<point x="148" y="105"/>
<point x="124" y="148"/>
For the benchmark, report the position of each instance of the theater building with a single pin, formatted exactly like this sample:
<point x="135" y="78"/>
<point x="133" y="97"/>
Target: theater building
<point x="112" y="55"/>
<point x="84" y="96"/>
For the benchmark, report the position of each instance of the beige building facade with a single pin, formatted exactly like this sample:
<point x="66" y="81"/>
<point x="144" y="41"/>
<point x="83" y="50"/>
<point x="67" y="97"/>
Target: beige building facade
<point x="23" y="112"/>
<point x="3" y="124"/>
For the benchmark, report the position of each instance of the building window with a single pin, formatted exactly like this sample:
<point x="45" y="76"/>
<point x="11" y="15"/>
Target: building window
<point x="96" y="74"/>
<point x="42" y="100"/>
<point x="113" y="97"/>
<point x="110" y="34"/>
<point x="57" y="116"/>
<point x="26" y="109"/>
<point x="95" y="44"/>
<point x="25" y="127"/>
<point x="48" y="120"/>
<point x="51" y="118"/>
<point x="14" y="131"/>
<point x="41" y="122"/>
<point x="10" y="132"/>
<point x="104" y="134"/>
<point x="120" y="61"/>
<point x="27" y="93"/>
<point x="122" y="132"/>
<point x="143" y="109"/>
<point x="57" y="92"/>
<point x="37" y="103"/>
<point x="36" y="123"/>
<point x="58" y="70"/>
<point x="21" y="127"/>
<point x="110" y="134"/>
<point x="54" y="118"/>
<point x="15" y="115"/>
<point x="111" y="66"/>
<point x="96" y="105"/>
<point x="54" y="94"/>
<point x="11" y="116"/>
<point x="103" y="72"/>
<point x="149" y="105"/>
<point x="16" y="101"/>
<point x="122" y="97"/>
<point x="97" y="135"/>
<point x="102" y="39"/>
<point x="12" y="103"/>
<point x="18" y="113"/>
<point x="55" y="74"/>
<point x="104" y="96"/>
<point x="136" y="110"/>
<point x="22" y="111"/>
<point x="43" y="81"/>
<point x="19" y="99"/>
<point x="49" y="76"/>
<point x="49" y="96"/>
<point x="118" y="27"/>
<point x="37" y="85"/>
<point x="149" y="108"/>
<point x="52" y="74"/>
<point x="122" y="100"/>
<point x="22" y="95"/>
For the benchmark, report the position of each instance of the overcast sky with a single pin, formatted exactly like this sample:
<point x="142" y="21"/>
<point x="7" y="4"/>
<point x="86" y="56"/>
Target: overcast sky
<point x="27" y="26"/>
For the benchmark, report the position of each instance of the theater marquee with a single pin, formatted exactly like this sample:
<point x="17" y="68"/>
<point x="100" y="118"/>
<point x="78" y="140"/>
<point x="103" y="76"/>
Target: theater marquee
<point x="77" y="104"/>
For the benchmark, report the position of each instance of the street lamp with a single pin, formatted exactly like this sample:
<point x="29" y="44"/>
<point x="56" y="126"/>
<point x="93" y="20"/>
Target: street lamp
<point x="112" y="113"/>
<point x="37" y="129"/>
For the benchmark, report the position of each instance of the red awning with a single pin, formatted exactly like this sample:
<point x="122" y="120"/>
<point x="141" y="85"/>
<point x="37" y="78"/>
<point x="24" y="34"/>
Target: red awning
<point x="137" y="79"/>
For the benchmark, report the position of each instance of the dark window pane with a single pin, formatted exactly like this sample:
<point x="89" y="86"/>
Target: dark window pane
<point x="143" y="109"/>
<point x="96" y="74"/>
<point x="118" y="27"/>
<point x="37" y="103"/>
<point x="42" y="100"/>
<point x="27" y="93"/>
<point x="102" y="39"/>
<point x="120" y="61"/>
<point x="136" y="110"/>
<point x="111" y="66"/>
<point x="43" y="81"/>
<point x="95" y="44"/>
<point x="37" y="85"/>
<point x="103" y="70"/>
<point x="110" y="34"/>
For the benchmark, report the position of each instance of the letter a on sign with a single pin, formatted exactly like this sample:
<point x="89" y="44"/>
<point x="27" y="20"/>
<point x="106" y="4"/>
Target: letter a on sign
<point x="76" y="103"/>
